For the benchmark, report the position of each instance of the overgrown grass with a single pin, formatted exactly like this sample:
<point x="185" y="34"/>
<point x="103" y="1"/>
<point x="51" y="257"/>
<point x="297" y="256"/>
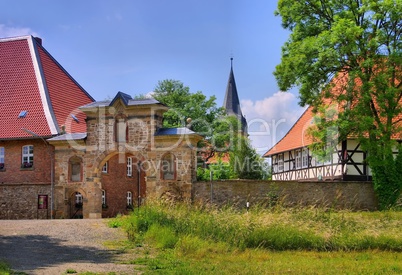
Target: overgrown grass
<point x="274" y="229"/>
<point x="5" y="269"/>
<point x="204" y="240"/>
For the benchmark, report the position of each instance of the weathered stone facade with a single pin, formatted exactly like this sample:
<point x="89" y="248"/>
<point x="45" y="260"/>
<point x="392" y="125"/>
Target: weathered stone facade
<point x="120" y="161"/>
<point x="334" y="194"/>
<point x="20" y="201"/>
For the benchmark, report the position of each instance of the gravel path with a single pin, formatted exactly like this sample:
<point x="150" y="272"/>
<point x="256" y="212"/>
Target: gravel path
<point x="55" y="246"/>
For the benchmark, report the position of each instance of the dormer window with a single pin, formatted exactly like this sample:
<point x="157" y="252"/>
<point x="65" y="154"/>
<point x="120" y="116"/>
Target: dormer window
<point x="23" y="114"/>
<point x="75" y="118"/>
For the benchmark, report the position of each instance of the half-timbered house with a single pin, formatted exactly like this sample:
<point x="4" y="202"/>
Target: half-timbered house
<point x="292" y="158"/>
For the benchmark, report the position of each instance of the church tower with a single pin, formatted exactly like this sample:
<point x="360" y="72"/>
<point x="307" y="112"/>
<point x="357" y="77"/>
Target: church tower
<point x="231" y="102"/>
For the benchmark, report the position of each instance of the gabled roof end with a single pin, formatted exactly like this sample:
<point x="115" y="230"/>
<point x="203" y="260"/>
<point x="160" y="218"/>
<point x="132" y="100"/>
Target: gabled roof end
<point x="124" y="97"/>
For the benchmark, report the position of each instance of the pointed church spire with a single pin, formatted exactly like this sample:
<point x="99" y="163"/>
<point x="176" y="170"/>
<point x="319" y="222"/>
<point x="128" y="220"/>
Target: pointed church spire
<point x="231" y="102"/>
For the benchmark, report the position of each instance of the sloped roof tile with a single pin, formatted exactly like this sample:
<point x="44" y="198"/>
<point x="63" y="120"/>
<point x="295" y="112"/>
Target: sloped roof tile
<point x="296" y="137"/>
<point x="32" y="80"/>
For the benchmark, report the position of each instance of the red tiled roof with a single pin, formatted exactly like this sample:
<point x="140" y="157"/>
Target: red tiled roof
<point x="296" y="137"/>
<point x="31" y="80"/>
<point x="224" y="157"/>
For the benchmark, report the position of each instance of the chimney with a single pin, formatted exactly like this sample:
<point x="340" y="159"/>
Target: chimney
<point x="39" y="40"/>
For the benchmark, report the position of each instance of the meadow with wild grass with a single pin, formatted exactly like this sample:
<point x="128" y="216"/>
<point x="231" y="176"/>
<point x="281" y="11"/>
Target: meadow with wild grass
<point x="196" y="239"/>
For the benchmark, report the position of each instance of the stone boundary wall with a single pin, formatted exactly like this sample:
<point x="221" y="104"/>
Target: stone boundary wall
<point x="20" y="201"/>
<point x="339" y="195"/>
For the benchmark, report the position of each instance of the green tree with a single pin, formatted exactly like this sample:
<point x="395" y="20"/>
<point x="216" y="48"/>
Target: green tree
<point x="207" y="119"/>
<point x="245" y="162"/>
<point x="220" y="171"/>
<point x="350" y="53"/>
<point x="184" y="104"/>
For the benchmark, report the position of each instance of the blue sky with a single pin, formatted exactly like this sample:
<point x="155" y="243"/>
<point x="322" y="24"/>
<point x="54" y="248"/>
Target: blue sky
<point x="128" y="46"/>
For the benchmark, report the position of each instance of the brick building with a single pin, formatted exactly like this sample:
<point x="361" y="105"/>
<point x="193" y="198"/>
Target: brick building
<point x="63" y="153"/>
<point x="38" y="100"/>
<point x="124" y="157"/>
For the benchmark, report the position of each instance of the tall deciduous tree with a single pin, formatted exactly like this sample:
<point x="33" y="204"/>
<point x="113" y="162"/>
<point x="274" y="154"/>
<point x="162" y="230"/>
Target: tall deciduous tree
<point x="349" y="52"/>
<point x="184" y="104"/>
<point x="205" y="116"/>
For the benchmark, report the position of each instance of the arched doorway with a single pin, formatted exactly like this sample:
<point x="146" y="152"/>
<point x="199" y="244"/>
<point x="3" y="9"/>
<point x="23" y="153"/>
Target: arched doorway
<point x="123" y="184"/>
<point x="76" y="203"/>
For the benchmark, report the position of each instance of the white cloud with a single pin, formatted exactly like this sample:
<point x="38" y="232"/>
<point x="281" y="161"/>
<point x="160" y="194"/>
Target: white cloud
<point x="270" y="119"/>
<point x="7" y="31"/>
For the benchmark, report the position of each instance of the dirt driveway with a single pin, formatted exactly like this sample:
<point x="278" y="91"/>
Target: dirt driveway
<point x="55" y="246"/>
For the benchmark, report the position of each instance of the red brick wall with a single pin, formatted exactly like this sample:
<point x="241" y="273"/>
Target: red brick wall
<point x="19" y="188"/>
<point x="39" y="173"/>
<point x="116" y="183"/>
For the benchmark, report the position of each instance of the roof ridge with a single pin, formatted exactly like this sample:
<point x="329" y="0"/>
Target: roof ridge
<point x="37" y="83"/>
<point x="15" y="38"/>
<point x="62" y="68"/>
<point x="43" y="90"/>
<point x="123" y="96"/>
<point x="287" y="133"/>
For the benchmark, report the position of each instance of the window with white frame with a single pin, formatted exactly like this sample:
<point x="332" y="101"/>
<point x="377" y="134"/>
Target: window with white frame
<point x="129" y="198"/>
<point x="27" y="156"/>
<point x="280" y="162"/>
<point x="103" y="197"/>
<point x="129" y="166"/>
<point x="105" y="167"/>
<point x="298" y="159"/>
<point x="305" y="158"/>
<point x="1" y="158"/>
<point x="78" y="198"/>
<point x="274" y="164"/>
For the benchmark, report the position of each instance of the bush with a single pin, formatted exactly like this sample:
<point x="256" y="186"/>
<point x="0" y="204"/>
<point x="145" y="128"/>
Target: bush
<point x="220" y="171"/>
